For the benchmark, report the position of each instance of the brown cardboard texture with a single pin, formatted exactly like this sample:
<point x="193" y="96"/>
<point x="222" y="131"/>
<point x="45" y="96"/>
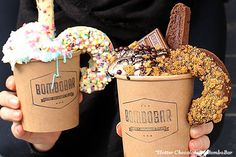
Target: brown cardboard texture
<point x="153" y="112"/>
<point x="48" y="108"/>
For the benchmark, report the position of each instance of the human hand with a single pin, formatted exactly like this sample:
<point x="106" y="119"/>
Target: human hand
<point x="10" y="111"/>
<point x="199" y="139"/>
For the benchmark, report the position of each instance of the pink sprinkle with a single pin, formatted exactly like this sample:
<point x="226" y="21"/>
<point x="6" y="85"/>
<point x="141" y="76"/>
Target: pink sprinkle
<point x="52" y="50"/>
<point x="37" y="39"/>
<point x="46" y="27"/>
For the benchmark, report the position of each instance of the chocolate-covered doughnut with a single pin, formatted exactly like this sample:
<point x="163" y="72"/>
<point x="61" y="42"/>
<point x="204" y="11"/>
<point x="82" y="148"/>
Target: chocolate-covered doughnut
<point x="206" y="66"/>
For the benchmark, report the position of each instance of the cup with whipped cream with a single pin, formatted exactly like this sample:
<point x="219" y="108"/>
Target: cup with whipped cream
<point x="47" y="69"/>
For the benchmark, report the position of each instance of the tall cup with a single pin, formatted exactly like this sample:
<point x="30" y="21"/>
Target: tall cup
<point x="49" y="103"/>
<point x="153" y="113"/>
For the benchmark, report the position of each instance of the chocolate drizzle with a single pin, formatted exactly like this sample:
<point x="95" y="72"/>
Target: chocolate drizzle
<point x="139" y="59"/>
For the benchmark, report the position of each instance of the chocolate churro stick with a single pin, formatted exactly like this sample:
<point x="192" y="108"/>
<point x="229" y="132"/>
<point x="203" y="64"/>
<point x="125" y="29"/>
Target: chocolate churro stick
<point x="177" y="32"/>
<point x="154" y="39"/>
<point x="46" y="15"/>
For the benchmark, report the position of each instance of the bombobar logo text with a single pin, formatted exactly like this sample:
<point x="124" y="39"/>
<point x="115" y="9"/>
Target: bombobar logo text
<point x="148" y="120"/>
<point x="63" y="91"/>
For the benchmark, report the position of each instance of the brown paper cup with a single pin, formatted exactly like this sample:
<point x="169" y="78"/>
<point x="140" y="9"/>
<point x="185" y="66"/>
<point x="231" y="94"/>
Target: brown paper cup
<point x="153" y="112"/>
<point x="47" y="109"/>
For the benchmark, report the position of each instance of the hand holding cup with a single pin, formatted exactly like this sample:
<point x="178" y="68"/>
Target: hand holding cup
<point x="11" y="111"/>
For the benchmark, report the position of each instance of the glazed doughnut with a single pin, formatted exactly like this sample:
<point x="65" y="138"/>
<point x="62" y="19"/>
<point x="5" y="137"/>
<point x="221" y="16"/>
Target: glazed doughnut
<point x="94" y="42"/>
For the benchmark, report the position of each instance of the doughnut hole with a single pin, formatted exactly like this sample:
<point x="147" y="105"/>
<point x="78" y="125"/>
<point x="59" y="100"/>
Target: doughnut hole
<point x="198" y="88"/>
<point x="84" y="59"/>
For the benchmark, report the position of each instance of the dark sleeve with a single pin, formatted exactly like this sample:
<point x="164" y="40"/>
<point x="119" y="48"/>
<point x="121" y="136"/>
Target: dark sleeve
<point x="8" y="19"/>
<point x="208" y="30"/>
<point x="208" y="26"/>
<point x="27" y="12"/>
<point x="34" y="151"/>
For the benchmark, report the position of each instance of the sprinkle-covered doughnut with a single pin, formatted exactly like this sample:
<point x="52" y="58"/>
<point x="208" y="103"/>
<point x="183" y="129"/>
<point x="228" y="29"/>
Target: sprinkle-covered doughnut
<point x="98" y="46"/>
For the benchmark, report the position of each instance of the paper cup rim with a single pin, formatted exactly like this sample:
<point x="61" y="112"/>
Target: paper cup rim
<point x="60" y="58"/>
<point x="154" y="78"/>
